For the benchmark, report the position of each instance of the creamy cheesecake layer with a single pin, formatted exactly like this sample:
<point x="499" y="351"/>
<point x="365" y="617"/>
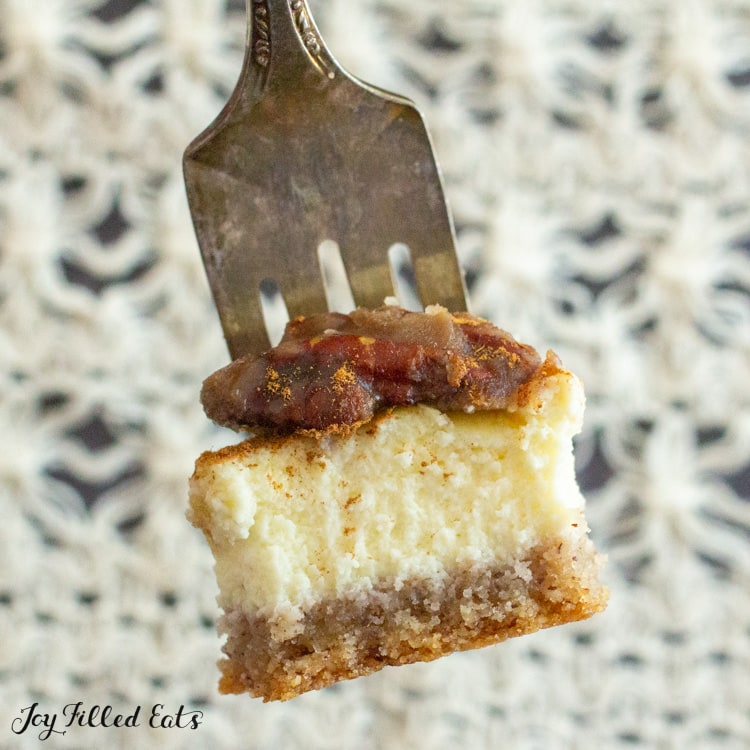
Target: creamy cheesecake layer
<point x="293" y="521"/>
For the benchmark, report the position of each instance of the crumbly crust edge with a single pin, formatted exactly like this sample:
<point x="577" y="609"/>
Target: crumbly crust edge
<point x="360" y="633"/>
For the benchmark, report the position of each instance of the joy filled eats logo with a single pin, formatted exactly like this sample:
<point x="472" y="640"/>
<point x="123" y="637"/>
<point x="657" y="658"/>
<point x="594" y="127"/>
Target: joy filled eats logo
<point x="32" y="719"/>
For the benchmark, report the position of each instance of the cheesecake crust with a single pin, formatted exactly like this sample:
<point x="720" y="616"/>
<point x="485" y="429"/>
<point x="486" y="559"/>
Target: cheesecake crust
<point x="354" y="635"/>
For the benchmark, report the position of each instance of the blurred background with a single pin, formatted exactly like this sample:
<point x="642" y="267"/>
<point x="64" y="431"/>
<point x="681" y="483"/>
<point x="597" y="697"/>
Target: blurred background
<point x="596" y="156"/>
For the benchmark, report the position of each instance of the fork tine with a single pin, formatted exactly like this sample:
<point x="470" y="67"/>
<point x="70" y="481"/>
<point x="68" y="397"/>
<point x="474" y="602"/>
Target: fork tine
<point x="438" y="275"/>
<point x="369" y="281"/>
<point x="410" y="208"/>
<point x="238" y="262"/>
<point x="300" y="281"/>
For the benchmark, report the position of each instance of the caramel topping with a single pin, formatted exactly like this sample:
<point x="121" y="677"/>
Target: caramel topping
<point x="334" y="371"/>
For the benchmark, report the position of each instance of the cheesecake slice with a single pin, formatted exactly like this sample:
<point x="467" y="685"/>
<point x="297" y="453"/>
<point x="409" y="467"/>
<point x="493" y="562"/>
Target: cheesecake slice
<point x="404" y="530"/>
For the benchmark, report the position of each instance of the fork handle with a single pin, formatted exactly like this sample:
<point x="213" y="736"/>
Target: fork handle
<point x="283" y="40"/>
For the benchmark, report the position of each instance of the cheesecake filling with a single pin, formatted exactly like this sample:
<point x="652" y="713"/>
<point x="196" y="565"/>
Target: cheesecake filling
<point x="295" y="522"/>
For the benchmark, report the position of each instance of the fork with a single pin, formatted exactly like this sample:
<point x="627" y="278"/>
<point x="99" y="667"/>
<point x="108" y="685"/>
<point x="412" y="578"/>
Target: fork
<point x="304" y="154"/>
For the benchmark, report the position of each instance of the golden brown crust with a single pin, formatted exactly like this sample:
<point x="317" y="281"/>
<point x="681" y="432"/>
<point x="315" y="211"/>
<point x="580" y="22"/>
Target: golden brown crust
<point x="355" y="636"/>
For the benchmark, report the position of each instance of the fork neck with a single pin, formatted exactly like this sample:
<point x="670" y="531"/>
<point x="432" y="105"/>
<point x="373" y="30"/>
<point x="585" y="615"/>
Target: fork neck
<point x="283" y="40"/>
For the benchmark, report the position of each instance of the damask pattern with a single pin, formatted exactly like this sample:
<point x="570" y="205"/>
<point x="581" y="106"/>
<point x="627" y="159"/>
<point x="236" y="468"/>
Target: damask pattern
<point x="596" y="158"/>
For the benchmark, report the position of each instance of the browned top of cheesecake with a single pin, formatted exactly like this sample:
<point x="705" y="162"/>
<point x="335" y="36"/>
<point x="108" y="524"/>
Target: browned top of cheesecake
<point x="334" y="371"/>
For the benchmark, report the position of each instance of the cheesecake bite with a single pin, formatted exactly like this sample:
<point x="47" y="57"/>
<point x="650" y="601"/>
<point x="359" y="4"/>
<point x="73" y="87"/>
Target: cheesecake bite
<point x="409" y="492"/>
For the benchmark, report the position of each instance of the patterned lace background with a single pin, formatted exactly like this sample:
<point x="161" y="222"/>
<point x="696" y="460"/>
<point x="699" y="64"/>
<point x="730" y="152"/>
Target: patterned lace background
<point x="596" y="156"/>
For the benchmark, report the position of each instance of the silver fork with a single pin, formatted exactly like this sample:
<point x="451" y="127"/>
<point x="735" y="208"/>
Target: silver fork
<point x="303" y="153"/>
